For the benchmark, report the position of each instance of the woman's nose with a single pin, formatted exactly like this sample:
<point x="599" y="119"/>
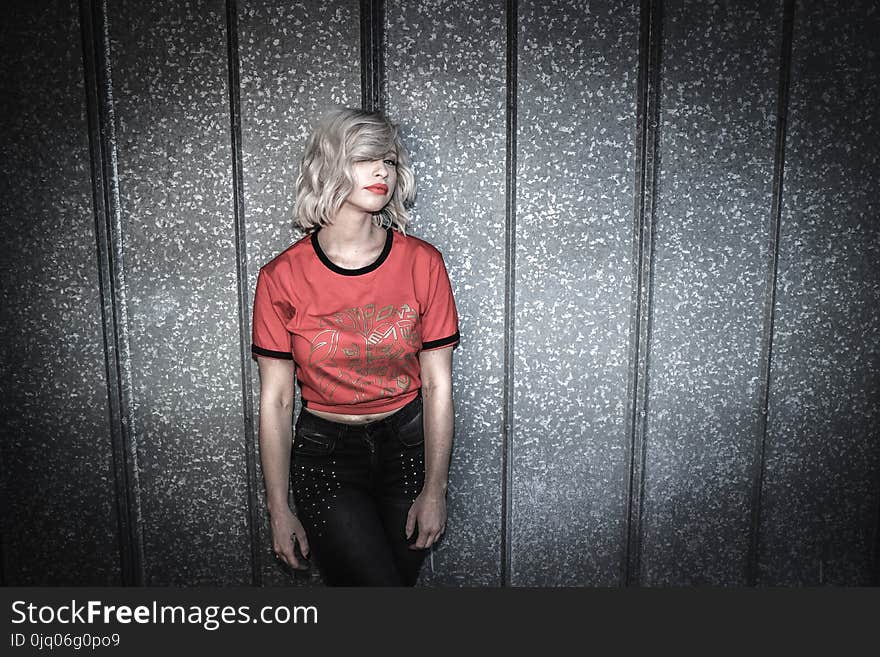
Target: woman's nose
<point x="381" y="169"/>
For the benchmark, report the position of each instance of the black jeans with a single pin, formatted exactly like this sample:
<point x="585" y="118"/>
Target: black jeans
<point x="353" y="487"/>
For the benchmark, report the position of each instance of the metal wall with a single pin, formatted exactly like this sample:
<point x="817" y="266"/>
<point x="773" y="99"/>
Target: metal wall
<point x="58" y="520"/>
<point x="660" y="225"/>
<point x="715" y="162"/>
<point x="820" y="498"/>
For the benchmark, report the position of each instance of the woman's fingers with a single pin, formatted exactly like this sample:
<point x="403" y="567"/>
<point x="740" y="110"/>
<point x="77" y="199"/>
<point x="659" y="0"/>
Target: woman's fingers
<point x="284" y="552"/>
<point x="300" y="537"/>
<point x="427" y="537"/>
<point x="289" y="535"/>
<point x="410" y="521"/>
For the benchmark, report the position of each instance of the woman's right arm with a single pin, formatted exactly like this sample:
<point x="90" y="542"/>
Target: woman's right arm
<point x="276" y="414"/>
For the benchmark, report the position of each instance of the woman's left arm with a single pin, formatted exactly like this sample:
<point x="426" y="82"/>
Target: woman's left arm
<point x="429" y="509"/>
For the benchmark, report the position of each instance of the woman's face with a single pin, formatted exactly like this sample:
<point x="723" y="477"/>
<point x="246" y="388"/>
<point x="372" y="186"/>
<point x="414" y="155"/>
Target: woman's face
<point x="374" y="183"/>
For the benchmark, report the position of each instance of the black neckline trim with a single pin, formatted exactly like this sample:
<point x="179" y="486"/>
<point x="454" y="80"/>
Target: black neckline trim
<point x="389" y="239"/>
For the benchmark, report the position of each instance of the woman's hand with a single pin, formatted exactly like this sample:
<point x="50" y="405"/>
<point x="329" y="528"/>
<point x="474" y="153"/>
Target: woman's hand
<point x="285" y="528"/>
<point x="429" y="513"/>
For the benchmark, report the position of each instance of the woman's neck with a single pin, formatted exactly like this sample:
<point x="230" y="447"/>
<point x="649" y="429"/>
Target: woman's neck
<point x="351" y="233"/>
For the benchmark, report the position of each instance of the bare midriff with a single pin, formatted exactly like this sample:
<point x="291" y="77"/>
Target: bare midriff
<point x="351" y="419"/>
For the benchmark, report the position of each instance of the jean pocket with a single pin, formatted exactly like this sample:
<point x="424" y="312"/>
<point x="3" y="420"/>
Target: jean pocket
<point x="308" y="442"/>
<point x="412" y="433"/>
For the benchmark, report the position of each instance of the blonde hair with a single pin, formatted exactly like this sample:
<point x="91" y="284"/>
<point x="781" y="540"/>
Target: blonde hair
<point x="341" y="138"/>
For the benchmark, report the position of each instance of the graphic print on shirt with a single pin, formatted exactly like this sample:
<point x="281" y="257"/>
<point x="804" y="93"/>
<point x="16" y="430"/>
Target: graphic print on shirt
<point x="357" y="349"/>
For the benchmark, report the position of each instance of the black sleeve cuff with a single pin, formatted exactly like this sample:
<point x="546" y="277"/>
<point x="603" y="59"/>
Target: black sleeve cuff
<point x="259" y="351"/>
<point x="442" y="342"/>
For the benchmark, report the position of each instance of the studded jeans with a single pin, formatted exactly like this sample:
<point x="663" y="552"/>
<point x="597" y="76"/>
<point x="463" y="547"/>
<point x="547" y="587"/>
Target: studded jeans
<point x="353" y="487"/>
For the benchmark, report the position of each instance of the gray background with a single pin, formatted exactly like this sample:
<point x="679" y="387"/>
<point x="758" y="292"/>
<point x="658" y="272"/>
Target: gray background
<point x="675" y="383"/>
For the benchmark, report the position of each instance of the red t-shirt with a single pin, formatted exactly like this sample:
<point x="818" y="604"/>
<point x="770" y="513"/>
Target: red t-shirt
<point x="355" y="334"/>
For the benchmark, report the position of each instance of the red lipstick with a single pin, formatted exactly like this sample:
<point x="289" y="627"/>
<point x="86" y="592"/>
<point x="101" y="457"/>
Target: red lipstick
<point x="378" y="188"/>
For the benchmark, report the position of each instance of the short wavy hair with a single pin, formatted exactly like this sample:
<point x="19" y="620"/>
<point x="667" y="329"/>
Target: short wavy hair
<point x="341" y="138"/>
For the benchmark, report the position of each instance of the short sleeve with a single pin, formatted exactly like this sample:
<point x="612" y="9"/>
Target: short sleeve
<point x="271" y="314"/>
<point x="439" y="319"/>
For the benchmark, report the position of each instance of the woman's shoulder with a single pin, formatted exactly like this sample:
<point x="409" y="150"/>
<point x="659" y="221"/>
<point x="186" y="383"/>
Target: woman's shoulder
<point x="420" y="249"/>
<point x="286" y="261"/>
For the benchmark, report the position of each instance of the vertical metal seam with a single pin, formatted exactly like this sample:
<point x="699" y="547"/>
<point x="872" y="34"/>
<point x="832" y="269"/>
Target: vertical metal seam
<point x="366" y="56"/>
<point x="647" y="113"/>
<point x="876" y="546"/>
<point x="372" y="51"/>
<point x="512" y="53"/>
<point x="758" y="461"/>
<point x="379" y="55"/>
<point x="241" y="271"/>
<point x="107" y="209"/>
<point x="3" y="565"/>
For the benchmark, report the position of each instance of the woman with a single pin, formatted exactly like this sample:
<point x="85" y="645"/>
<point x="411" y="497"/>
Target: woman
<point x="366" y="315"/>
